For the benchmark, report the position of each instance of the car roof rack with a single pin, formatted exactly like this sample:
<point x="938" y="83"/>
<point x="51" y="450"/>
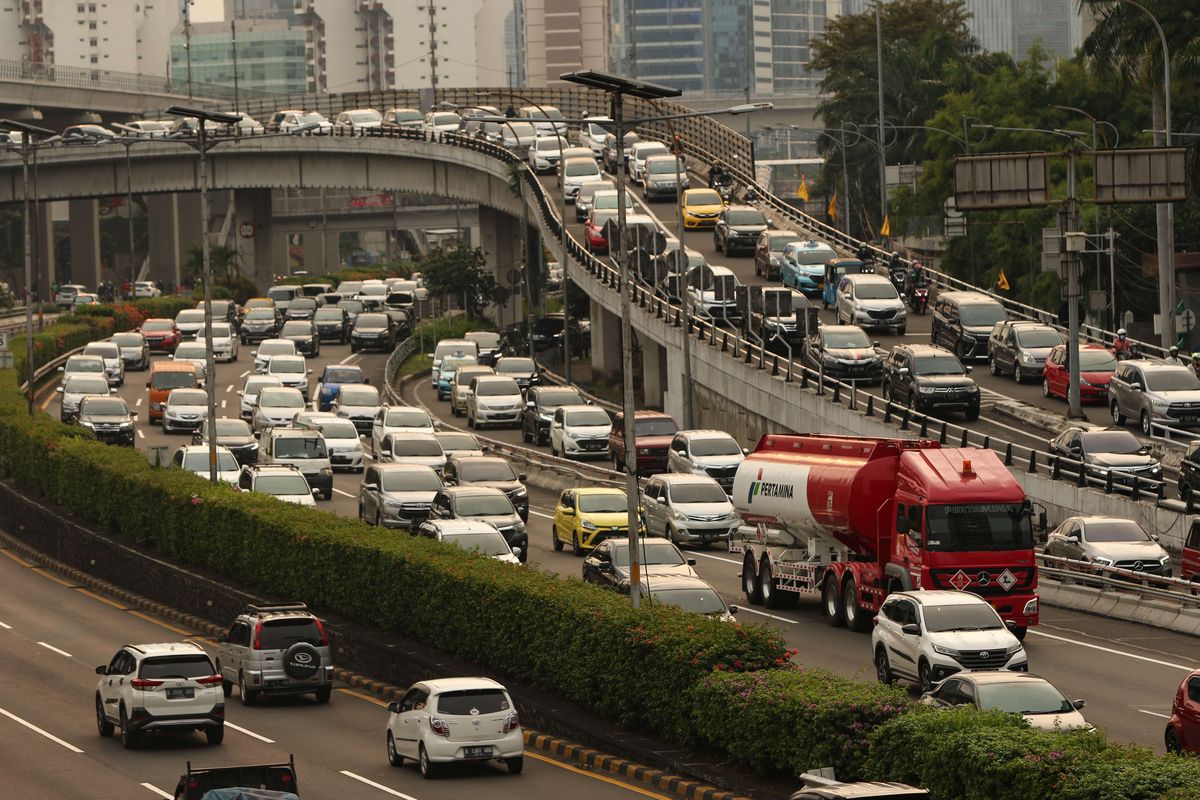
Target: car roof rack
<point x="275" y="608"/>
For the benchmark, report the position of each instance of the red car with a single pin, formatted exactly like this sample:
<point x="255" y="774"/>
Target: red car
<point x="593" y="230"/>
<point x="653" y="432"/>
<point x="1191" y="553"/>
<point x="161" y="334"/>
<point x="1183" y="729"/>
<point x="1096" y="367"/>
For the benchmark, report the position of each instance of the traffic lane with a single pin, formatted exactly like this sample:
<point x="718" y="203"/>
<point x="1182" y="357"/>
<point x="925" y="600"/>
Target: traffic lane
<point x="336" y="746"/>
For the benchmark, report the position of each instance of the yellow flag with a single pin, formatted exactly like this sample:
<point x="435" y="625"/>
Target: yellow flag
<point x="886" y="228"/>
<point x="1002" y="281"/>
<point x="802" y="189"/>
<point x="832" y="210"/>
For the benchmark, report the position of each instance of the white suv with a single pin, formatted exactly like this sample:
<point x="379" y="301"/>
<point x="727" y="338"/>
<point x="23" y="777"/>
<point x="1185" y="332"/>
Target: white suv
<point x="455" y="719"/>
<point x="159" y="688"/>
<point x="494" y="400"/>
<point x="870" y="301"/>
<point x="927" y="636"/>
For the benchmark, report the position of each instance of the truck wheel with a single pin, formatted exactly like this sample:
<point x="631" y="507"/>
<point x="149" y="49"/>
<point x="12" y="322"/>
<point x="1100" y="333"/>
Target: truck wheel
<point x="831" y="602"/>
<point x="772" y="596"/>
<point x="750" y="586"/>
<point x="857" y="618"/>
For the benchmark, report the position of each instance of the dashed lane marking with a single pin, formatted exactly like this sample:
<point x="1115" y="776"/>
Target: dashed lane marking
<point x="39" y="731"/>
<point x="54" y="649"/>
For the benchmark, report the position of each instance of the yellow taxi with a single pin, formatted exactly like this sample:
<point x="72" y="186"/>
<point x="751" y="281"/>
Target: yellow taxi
<point x="701" y="207"/>
<point x="584" y="517"/>
<point x="258" y="302"/>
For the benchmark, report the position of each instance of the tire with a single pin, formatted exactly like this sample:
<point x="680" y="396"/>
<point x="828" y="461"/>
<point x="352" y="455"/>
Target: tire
<point x="103" y="726"/>
<point x="1144" y="424"/>
<point x="1017" y="373"/>
<point x="1115" y="408"/>
<point x="129" y="739"/>
<point x="1171" y="741"/>
<point x="772" y="597"/>
<point x="883" y="667"/>
<point x="750" y="586"/>
<point x="618" y="465"/>
<point x="554" y="539"/>
<point x="378" y="522"/>
<point x="428" y="769"/>
<point x="248" y="696"/>
<point x="394" y="758"/>
<point x="858" y="619"/>
<point x="301" y="661"/>
<point x="515" y="765"/>
<point x="324" y="694"/>
<point x="1184" y="491"/>
<point x="831" y="603"/>
<point x="886" y="391"/>
<point x="924" y="677"/>
<point x="226" y="686"/>
<point x="973" y="413"/>
<point x="215" y="734"/>
<point x="993" y="367"/>
<point x="716" y="243"/>
<point x="902" y="330"/>
<point x="575" y="546"/>
<point x="525" y="437"/>
<point x="1045" y="388"/>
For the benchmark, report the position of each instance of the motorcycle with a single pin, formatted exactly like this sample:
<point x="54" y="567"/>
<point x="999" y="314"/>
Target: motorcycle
<point x="899" y="278"/>
<point x="918" y="299"/>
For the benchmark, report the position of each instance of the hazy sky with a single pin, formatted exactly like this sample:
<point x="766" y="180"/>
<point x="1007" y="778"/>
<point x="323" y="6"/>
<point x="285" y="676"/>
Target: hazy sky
<point x="207" y="10"/>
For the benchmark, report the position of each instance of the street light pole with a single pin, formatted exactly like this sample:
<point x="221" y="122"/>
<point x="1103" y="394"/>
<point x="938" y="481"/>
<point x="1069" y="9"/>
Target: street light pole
<point x="233" y="45"/>
<point x="883" y="209"/>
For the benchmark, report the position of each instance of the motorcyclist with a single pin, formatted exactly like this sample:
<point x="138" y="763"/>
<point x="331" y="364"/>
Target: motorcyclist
<point x="1174" y="358"/>
<point x="864" y="253"/>
<point x="916" y="278"/>
<point x="1196" y="364"/>
<point x="1121" y="347"/>
<point x="717" y="175"/>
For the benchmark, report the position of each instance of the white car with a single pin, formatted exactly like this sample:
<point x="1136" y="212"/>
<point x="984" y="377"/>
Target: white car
<point x="422" y="449"/>
<point x="454" y="719"/>
<point x="592" y="133"/>
<point x="927" y="636"/>
<point x="357" y="402"/>
<point x="190" y="322"/>
<point x="83" y="365"/>
<point x="195" y="354"/>
<point x="268" y="349"/>
<point x="638" y="155"/>
<point x="580" y="431"/>
<point x="712" y="453"/>
<point x="472" y="535"/>
<point x="225" y="342"/>
<point x="398" y="419"/>
<point x="160" y="688"/>
<point x="184" y="410"/>
<point x="358" y="121"/>
<point x="443" y="122"/>
<point x="194" y="459"/>
<point x="114" y="364"/>
<point x="372" y="294"/>
<point x="277" y="405"/>
<point x="548" y="120"/>
<point x="688" y="509"/>
<point x="1036" y="699"/>
<point x="517" y="136"/>
<point x="248" y="394"/>
<point x="146" y="289"/>
<point x="577" y="172"/>
<point x="309" y="122"/>
<point x="544" y="154"/>
<point x="712" y="292"/>
<point x="65" y="296"/>
<point x="460" y="386"/>
<point x="293" y="371"/>
<point x="494" y="400"/>
<point x="870" y="301"/>
<point x="341" y="439"/>
<point x="282" y="481"/>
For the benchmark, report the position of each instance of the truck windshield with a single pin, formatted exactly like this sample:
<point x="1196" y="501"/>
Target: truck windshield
<point x="958" y="528"/>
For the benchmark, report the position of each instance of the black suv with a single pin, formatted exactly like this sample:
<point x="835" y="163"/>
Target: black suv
<point x="540" y="403"/>
<point x="844" y="352"/>
<point x="928" y="380"/>
<point x="304" y="333"/>
<point x="373" y="331"/>
<point x="737" y="229"/>
<point x="963" y="322"/>
<point x="107" y="417"/>
<point x="1189" y="472"/>
<point x="332" y="323"/>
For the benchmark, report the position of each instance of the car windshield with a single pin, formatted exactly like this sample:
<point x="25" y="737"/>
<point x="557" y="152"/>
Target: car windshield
<point x="485" y="542"/>
<point x="280" y="634"/>
<point x="358" y="396"/>
<point x="260" y="315"/>
<point x="197" y="461"/>
<point x="522" y="129"/>
<point x="128" y="339"/>
<point x="875" y="290"/>
<point x="373" y="290"/>
<point x="1172" y="380"/>
<point x="411" y="115"/>
<point x="472" y="702"/>
<point x="1117" y="530"/>
<point x="659" y="166"/>
<point x="287" y="366"/>
<point x="1113" y="442"/>
<point x="232" y="427"/>
<point x="515" y="366"/>
<point x="961" y="617"/>
<point x="548" y="145"/>
<point x="457" y="441"/>
<point x="277" y="349"/>
<point x="699" y="493"/>
<point x="497" y="388"/>
<point x="189" y="315"/>
<point x="484" y="505"/>
<point x="589" y="190"/>
<point x="606" y="503"/>
<point x="417" y="446"/>
<point x="85" y="384"/>
<point x="351" y="306"/>
<point x="329" y="314"/>
<point x="220" y="330"/>
<point x="1023" y="697"/>
<point x="187" y="397"/>
<point x="1038" y="337"/>
<point x="372" y="322"/>
<point x="280" y="398"/>
<point x="937" y="365"/>
<point x="300" y="447"/>
<point x="104" y="407"/>
<point x="190" y="350"/>
<point x="157" y="325"/>
<point x="173" y="379"/>
<point x="81" y="364"/>
<point x="777" y="242"/>
<point x="553" y="398"/>
<point x="485" y="339"/>
<point x="336" y="428"/>
<point x="310" y="118"/>
<point x="290" y="484"/>
<point x="649" y="552"/>
<point x="342" y="375"/>
<point x="403" y="480"/>
<point x="296" y="327"/>
<point x="302" y="304"/>
<point x="990" y="526"/>
<point x="845" y="339"/>
<point x="181" y="666"/>
<point x="655" y="427"/>
<point x="447" y="118"/>
<point x="716" y="446"/>
<point x="703" y="197"/>
<point x="255" y="385"/>
<point x="586" y="417"/>
<point x="981" y="314"/>
<point x="1096" y="361"/>
<point x="698" y="601"/>
<point x="746" y="217"/>
<point x="406" y="418"/>
<point x="485" y="469"/>
<point x="364" y="116"/>
<point x="576" y="168"/>
<point x="103" y="350"/>
<point x="465" y="374"/>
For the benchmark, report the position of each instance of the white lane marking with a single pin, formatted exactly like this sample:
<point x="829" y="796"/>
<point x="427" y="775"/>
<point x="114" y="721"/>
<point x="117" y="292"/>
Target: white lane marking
<point x="138" y="404"/>
<point x="5" y="626"/>
<point x="229" y="388"/>
<point x="540" y="514"/>
<point x="157" y="790"/>
<point x="351" y="358"/>
<point x="344" y="494"/>
<point x="244" y="374"/>
<point x="36" y="729"/>
<point x="56" y="650"/>
<point x="716" y="558"/>
<point x="772" y="616"/>
<point x="1153" y="713"/>
<point x="378" y="786"/>
<point x="140" y="434"/>
<point x="1110" y="650"/>
<point x="251" y="734"/>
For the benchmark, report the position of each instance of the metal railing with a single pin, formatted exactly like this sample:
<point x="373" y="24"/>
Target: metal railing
<point x="94" y="78"/>
<point x="1127" y="581"/>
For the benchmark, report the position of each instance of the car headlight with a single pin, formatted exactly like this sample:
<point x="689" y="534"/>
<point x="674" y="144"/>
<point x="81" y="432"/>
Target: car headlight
<point x="84" y="424"/>
<point x="520" y="491"/>
<point x="1027" y="359"/>
<point x="545" y="417"/>
<point x="1084" y="381"/>
<point x="1156" y="470"/>
<point x="1102" y="561"/>
<point x="519" y="527"/>
<point x="325" y="471"/>
<point x="679" y="515"/>
<point x="587" y="525"/>
<point x="1162" y="562"/>
<point x="972" y="389"/>
<point x="1016" y="648"/>
<point x="394" y="505"/>
<point x="925" y="389"/>
<point x="829" y="360"/>
<point x="643" y="451"/>
<point x="1160" y="405"/>
<point x="126" y="426"/>
<point x="946" y="651"/>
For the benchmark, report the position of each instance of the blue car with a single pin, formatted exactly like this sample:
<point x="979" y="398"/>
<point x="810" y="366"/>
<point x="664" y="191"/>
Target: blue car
<point x="802" y="266"/>
<point x="332" y="379"/>
<point x="447" y="370"/>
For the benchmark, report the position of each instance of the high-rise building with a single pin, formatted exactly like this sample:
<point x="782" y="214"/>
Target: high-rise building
<point x="562" y="36"/>
<point x="118" y="35"/>
<point x="270" y="55"/>
<point x="260" y="9"/>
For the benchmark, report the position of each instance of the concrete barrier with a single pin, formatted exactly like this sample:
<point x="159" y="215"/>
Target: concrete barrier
<point x="1118" y="604"/>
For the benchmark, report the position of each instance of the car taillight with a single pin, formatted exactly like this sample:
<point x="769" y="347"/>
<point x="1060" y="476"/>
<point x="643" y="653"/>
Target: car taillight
<point x="209" y="680"/>
<point x="439" y="726"/>
<point x="142" y="683"/>
<point x="258" y="636"/>
<point x="512" y="723"/>
<point x="321" y="629"/>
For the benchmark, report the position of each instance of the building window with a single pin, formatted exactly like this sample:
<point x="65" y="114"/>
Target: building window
<point x="91" y="8"/>
<point x="92" y="42"/>
<point x="95" y="59"/>
<point x="79" y="8"/>
<point x="92" y="26"/>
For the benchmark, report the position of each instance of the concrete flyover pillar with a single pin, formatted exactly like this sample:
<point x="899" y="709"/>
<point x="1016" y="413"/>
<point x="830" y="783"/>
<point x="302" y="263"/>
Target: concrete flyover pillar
<point x="654" y="373"/>
<point x="500" y="240"/>
<point x="671" y="363"/>
<point x="252" y="235"/>
<point x="606" y="342"/>
<point x="45" y="271"/>
<point x="84" y="221"/>
<point x="174" y="230"/>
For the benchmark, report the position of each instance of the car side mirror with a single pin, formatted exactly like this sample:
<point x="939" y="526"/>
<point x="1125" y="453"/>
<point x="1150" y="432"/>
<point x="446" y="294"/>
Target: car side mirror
<point x="366" y="381"/>
<point x="568" y="512"/>
<point x="1073" y="538"/>
<point x="1078" y="704"/>
<point x="374" y="487"/>
<point x="521" y="478"/>
<point x="308" y="372"/>
<point x="102" y="670"/>
<point x="1137" y="387"/>
<point x="240" y="393"/>
<point x="911" y="629"/>
<point x="316" y="492"/>
<point x="745" y="451"/>
<point x="517" y="552"/>
<point x="253" y="352"/>
<point x="147" y="384"/>
<point x="429" y="355"/>
<point x="393" y="708"/>
<point x="902" y="371"/>
<point x="1043" y="536"/>
<point x="1010" y="624"/>
<point x="530" y="404"/>
<point x="59" y="389"/>
<point x="968" y="369"/>
<point x="62" y="369"/>
<point x="133" y="414"/>
<point x="1154" y="536"/>
<point x="691" y="562"/>
<point x="734" y="610"/>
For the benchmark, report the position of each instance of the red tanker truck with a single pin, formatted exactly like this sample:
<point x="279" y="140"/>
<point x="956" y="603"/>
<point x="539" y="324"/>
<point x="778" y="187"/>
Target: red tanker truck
<point x="851" y="519"/>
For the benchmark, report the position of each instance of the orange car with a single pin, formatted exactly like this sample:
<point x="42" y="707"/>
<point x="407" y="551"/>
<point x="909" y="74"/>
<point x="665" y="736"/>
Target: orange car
<point x="165" y="376"/>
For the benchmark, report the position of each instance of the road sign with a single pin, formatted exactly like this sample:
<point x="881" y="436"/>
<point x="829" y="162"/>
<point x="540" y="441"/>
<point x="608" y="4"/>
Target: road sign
<point x="1185" y="321"/>
<point x="1001" y="180"/>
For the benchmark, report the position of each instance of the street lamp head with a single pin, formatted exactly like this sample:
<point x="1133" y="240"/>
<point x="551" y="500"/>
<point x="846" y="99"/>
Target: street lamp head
<point x="749" y="108"/>
<point x="220" y="117"/>
<point x="983" y="126"/>
<point x="24" y="127"/>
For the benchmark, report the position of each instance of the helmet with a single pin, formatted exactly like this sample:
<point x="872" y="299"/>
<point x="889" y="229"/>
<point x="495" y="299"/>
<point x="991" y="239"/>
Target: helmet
<point x="1121" y="333"/>
<point x="1196" y="356"/>
<point x="1173" y="349"/>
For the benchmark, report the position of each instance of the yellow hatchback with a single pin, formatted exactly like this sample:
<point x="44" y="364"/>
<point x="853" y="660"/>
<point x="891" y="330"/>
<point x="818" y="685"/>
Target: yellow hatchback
<point x="701" y="207"/>
<point x="585" y="517"/>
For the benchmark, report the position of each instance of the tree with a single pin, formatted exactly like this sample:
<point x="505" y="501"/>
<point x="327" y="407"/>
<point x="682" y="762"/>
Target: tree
<point x="223" y="260"/>
<point x="463" y="273"/>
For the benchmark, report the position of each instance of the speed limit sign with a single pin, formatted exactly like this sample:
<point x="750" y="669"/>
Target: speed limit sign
<point x="246" y="229"/>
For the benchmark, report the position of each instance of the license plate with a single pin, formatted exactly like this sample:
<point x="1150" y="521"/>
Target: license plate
<point x="477" y="752"/>
<point x="180" y="694"/>
<point x="706" y="537"/>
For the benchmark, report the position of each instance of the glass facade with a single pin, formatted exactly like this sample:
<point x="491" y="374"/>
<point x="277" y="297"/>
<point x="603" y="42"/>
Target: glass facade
<point x="267" y="60"/>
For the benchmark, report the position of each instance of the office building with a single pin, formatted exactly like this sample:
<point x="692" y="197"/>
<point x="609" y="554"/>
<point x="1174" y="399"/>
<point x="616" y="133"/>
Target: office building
<point x="117" y="35"/>
<point x="563" y="36"/>
<point x="1013" y="26"/>
<point x="270" y="55"/>
<point x="260" y="9"/>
